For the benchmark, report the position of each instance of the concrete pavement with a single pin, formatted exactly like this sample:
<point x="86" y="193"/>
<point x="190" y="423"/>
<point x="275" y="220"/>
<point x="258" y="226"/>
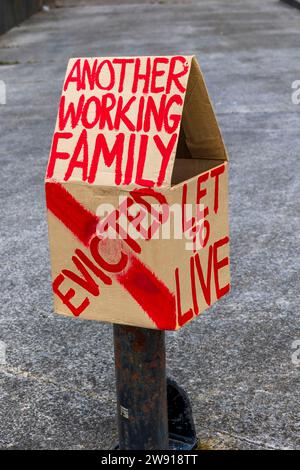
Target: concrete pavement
<point x="57" y="385"/>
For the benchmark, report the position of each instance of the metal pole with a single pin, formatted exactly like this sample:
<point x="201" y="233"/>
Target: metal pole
<point x="140" y="362"/>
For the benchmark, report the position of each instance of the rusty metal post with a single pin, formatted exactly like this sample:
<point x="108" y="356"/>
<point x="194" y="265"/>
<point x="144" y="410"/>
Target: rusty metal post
<point x="140" y="361"/>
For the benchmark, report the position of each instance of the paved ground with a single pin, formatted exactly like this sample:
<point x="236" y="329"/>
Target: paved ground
<point x="57" y="387"/>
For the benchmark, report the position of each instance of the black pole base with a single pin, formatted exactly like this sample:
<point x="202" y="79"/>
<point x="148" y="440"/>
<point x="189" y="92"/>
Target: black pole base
<point x="182" y="433"/>
<point x="154" y="413"/>
<point x="140" y="366"/>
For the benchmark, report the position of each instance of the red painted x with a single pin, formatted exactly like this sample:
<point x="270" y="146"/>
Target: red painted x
<point x="137" y="279"/>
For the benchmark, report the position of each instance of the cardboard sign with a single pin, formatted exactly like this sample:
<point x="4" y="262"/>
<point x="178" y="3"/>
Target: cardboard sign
<point x="136" y="190"/>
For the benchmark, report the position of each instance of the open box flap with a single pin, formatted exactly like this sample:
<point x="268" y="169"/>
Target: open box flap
<point x="199" y="128"/>
<point x="120" y="120"/>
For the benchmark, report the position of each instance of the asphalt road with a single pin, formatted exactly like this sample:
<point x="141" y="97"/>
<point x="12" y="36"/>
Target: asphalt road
<point x="235" y="361"/>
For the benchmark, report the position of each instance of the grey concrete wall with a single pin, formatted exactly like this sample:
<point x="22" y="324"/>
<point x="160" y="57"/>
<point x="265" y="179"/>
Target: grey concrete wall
<point x="13" y="12"/>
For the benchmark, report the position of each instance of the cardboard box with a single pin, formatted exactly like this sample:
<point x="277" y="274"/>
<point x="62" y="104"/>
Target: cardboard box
<point x="136" y="191"/>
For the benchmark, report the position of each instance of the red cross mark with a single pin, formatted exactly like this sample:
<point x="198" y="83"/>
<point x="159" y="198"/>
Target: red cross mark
<point x="137" y="279"/>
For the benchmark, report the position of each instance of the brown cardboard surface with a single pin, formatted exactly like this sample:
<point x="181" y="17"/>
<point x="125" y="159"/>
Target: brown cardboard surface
<point x="201" y="130"/>
<point x="185" y="169"/>
<point x="138" y="106"/>
<point x="161" y="280"/>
